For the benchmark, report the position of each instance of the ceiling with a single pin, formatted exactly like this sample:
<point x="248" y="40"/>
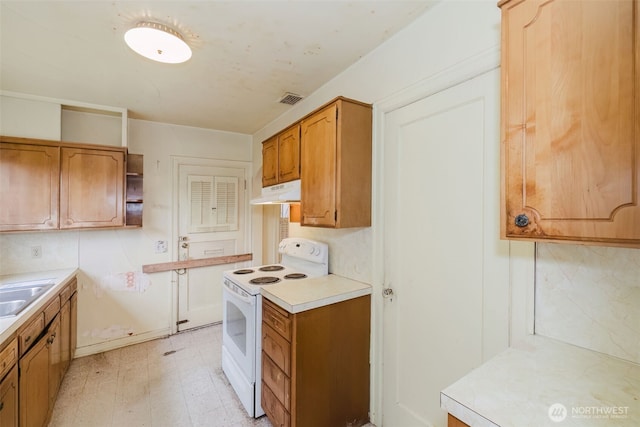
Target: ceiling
<point x="246" y="54"/>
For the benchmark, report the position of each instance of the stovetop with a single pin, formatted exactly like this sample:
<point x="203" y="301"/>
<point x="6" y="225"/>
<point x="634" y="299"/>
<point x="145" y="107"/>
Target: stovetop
<point x="301" y="258"/>
<point x="251" y="279"/>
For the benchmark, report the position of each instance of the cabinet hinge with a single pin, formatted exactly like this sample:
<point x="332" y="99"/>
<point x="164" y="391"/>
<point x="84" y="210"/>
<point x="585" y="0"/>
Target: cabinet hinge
<point x="336" y="114"/>
<point x="245" y="184"/>
<point x="335" y="216"/>
<point x="180" y="322"/>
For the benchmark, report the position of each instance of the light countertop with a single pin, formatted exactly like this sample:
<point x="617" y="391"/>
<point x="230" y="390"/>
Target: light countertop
<point x="8" y="325"/>
<point x="306" y="294"/>
<point x="529" y="384"/>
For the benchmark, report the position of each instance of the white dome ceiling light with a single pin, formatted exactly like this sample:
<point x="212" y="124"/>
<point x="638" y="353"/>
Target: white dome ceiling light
<point x="158" y="42"/>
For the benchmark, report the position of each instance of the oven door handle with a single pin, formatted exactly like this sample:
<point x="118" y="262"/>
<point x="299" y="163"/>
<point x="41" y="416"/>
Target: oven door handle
<point x="247" y="299"/>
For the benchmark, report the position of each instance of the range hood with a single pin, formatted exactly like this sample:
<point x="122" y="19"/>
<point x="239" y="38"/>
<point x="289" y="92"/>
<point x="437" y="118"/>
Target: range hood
<point x="288" y="192"/>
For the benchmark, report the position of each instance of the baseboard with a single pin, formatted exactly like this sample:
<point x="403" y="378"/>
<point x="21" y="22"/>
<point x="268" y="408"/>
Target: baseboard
<point x="121" y="342"/>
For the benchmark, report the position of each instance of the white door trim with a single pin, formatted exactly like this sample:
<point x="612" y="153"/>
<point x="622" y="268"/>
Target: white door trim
<point x="522" y="274"/>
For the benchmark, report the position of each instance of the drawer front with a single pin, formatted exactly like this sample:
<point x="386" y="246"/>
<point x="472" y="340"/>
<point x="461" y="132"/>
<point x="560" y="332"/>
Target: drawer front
<point x="29" y="334"/>
<point x="277" y="318"/>
<point x="51" y="310"/>
<point x="276" y="380"/>
<point x="277" y="348"/>
<point x="8" y="357"/>
<point x="65" y="294"/>
<point x="276" y="413"/>
<point x="68" y="291"/>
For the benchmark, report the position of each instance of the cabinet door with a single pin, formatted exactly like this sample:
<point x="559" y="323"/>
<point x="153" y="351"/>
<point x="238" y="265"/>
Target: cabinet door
<point x="34" y="385"/>
<point x="570" y="120"/>
<point x="73" y="327"/>
<point x="289" y="154"/>
<point x="318" y="165"/>
<point x="29" y="180"/>
<point x="270" y="162"/>
<point x="9" y="399"/>
<point x="65" y="337"/>
<point x="91" y="188"/>
<point x="55" y="360"/>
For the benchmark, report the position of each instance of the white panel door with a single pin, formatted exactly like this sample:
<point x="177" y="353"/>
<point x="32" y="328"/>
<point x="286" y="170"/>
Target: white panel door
<point x="443" y="258"/>
<point x="212" y="223"/>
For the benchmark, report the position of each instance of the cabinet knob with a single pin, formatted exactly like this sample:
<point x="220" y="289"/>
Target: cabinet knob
<point x="522" y="220"/>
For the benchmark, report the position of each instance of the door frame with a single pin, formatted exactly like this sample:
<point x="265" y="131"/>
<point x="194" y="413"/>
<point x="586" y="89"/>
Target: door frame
<point x="176" y="162"/>
<point x="521" y="255"/>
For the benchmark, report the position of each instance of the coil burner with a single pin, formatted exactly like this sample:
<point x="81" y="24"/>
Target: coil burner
<point x="271" y="268"/>
<point x="264" y="280"/>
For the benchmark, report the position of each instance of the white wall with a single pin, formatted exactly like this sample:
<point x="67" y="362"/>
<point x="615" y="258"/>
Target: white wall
<point x="448" y="33"/>
<point x="29" y="118"/>
<point x="111" y="315"/>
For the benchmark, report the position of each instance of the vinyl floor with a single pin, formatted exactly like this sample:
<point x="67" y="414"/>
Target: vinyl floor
<point x="171" y="382"/>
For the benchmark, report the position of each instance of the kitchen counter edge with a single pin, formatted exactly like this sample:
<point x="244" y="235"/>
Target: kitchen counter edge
<point x="307" y="294"/>
<point x="522" y="385"/>
<point x="9" y="325"/>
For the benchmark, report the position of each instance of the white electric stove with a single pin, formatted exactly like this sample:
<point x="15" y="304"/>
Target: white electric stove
<point x="242" y="312"/>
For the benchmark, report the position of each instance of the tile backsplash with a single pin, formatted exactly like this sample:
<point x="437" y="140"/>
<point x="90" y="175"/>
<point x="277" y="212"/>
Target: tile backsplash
<point x="589" y="296"/>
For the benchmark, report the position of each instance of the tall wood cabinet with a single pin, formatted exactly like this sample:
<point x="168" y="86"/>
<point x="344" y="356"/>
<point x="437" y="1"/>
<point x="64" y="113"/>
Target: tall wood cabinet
<point x="315" y="364"/>
<point x="571" y="121"/>
<point x="281" y="157"/>
<point x="336" y="165"/>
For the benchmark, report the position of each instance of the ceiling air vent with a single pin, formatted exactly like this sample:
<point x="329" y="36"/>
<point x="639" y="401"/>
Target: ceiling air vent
<point x="290" y="98"/>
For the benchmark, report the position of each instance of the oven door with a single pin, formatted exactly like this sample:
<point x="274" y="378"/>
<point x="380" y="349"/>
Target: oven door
<point x="239" y="328"/>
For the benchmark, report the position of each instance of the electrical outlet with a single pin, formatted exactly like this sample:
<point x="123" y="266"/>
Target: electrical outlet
<point x="36" y="251"/>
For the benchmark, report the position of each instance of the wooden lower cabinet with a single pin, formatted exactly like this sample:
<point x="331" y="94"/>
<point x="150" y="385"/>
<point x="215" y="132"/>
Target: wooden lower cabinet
<point x="73" y="327"/>
<point x="454" y="422"/>
<point x="46" y="353"/>
<point x="9" y="399"/>
<point x="315" y="364"/>
<point x="65" y="337"/>
<point x="34" y="385"/>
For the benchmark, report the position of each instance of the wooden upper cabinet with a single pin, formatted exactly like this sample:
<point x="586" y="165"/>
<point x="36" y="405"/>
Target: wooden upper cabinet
<point x="571" y="121"/>
<point x="336" y="166"/>
<point x="91" y="187"/>
<point x="281" y="157"/>
<point x="29" y="183"/>
<point x="289" y="154"/>
<point x="270" y="161"/>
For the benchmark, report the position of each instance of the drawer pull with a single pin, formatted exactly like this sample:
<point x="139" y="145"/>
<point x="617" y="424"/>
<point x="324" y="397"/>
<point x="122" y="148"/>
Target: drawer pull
<point x="27" y="339"/>
<point x="1" y="406"/>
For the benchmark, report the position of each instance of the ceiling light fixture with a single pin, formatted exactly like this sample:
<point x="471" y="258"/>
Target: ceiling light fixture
<point x="158" y="42"/>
